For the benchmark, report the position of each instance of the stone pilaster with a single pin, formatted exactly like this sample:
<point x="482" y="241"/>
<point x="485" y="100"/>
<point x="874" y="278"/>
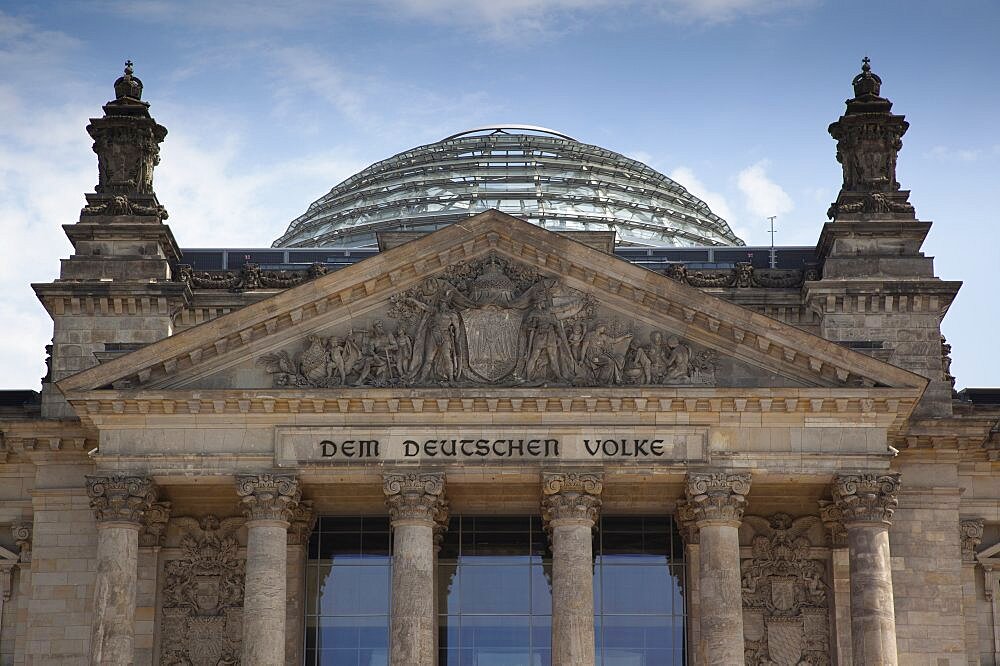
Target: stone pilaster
<point x="119" y="503"/>
<point x="867" y="502"/>
<point x="416" y="506"/>
<point x="301" y="526"/>
<point x="685" y="518"/>
<point x="840" y="581"/>
<point x="570" y="505"/>
<point x="971" y="534"/>
<point x="268" y="502"/>
<point x="715" y="502"/>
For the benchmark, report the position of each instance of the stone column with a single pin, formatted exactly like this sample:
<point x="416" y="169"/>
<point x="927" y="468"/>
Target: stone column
<point x="570" y="505"/>
<point x="715" y="501"/>
<point x="302" y="524"/>
<point x="119" y="503"/>
<point x="416" y="505"/>
<point x="867" y="502"/>
<point x="840" y="582"/>
<point x="971" y="533"/>
<point x="268" y="501"/>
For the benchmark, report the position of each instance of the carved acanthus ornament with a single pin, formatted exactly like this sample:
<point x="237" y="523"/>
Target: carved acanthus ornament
<point x="716" y="496"/>
<point x="833" y="520"/>
<point x="866" y="498"/>
<point x="570" y="496"/>
<point x="742" y="276"/>
<point x="203" y="595"/>
<point x="22" y="531"/>
<point x="687" y="522"/>
<point x="268" y="496"/>
<point x="971" y="533"/>
<point x="120" y="498"/>
<point x="785" y="601"/>
<point x="492" y="322"/>
<point x="301" y="523"/>
<point x="415" y="496"/>
<point x="154" y="527"/>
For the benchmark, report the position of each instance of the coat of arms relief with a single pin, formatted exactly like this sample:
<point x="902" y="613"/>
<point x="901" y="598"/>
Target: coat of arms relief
<point x="785" y="595"/>
<point x="493" y="322"/>
<point x="203" y="595"/>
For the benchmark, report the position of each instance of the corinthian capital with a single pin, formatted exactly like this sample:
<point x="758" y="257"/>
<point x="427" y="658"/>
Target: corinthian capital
<point x="268" y="496"/>
<point x="22" y="530"/>
<point x="717" y="496"/>
<point x="971" y="532"/>
<point x="120" y="498"/>
<point x="866" y="498"/>
<point x="413" y="496"/>
<point x="570" y="496"/>
<point x="301" y="524"/>
<point x="832" y="517"/>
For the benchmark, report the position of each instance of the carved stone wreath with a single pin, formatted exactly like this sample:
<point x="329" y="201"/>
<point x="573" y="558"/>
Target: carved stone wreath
<point x="203" y="596"/>
<point x="492" y="322"/>
<point x="785" y="599"/>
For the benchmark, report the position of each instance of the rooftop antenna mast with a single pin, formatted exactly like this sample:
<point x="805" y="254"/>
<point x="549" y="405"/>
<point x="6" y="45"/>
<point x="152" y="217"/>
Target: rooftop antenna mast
<point x="774" y="257"/>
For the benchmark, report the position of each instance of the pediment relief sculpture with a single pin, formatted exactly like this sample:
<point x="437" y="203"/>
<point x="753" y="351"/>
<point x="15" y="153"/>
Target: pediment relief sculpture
<point x="492" y="322"/>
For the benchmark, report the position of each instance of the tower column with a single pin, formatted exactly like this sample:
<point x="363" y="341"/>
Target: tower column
<point x="417" y="507"/>
<point x="570" y="505"/>
<point x="268" y="501"/>
<point x="867" y="502"/>
<point x="119" y="503"/>
<point x="715" y="502"/>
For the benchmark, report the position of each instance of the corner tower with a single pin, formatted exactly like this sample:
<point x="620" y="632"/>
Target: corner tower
<point x="114" y="293"/>
<point x="878" y="292"/>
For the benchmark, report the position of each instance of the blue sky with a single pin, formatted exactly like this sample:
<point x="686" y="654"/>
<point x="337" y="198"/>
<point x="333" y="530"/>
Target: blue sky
<point x="270" y="104"/>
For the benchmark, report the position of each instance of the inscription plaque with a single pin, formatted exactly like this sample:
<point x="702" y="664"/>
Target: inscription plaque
<point x="472" y="444"/>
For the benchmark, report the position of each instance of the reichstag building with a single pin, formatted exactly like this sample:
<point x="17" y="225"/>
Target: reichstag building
<point x="506" y="399"/>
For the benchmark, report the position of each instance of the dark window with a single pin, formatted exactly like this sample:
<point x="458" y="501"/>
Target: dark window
<point x="347" y="592"/>
<point x="639" y="592"/>
<point x="494" y="593"/>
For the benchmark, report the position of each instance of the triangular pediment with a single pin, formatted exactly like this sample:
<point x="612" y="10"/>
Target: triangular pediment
<point x="491" y="302"/>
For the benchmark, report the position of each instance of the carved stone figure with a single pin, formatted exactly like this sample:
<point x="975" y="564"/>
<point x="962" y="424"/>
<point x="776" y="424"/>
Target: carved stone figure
<point x="784" y="595"/>
<point x="203" y="595"/>
<point x="490" y="322"/>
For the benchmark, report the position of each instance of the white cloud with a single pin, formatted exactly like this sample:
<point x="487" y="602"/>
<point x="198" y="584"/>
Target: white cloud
<point x="947" y="154"/>
<point x="710" y="12"/>
<point x="715" y="200"/>
<point x="762" y="196"/>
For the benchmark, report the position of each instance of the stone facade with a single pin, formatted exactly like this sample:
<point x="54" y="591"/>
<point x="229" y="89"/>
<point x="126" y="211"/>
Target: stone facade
<point x="837" y="507"/>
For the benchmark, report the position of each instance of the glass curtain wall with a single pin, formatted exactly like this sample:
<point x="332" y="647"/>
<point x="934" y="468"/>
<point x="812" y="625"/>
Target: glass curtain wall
<point x="494" y="593"/>
<point x="639" y="578"/>
<point x="347" y="592"/>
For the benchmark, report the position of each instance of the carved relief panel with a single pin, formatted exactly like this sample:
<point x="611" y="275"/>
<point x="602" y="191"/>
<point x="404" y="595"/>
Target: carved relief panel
<point x="785" y="595"/>
<point x="493" y="322"/>
<point x="202" y="607"/>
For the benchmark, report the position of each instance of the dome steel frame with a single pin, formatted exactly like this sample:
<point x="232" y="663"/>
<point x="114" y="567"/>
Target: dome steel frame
<point x="531" y="172"/>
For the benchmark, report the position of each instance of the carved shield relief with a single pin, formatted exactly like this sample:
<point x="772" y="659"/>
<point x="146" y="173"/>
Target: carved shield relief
<point x="492" y="333"/>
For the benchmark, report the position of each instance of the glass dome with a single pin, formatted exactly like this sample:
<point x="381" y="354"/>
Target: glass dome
<point x="533" y="173"/>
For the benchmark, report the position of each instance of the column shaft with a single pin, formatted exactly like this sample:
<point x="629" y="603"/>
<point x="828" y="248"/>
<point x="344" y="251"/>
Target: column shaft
<point x="264" y="597"/>
<point x="268" y="501"/>
<point x="572" y="593"/>
<point x="721" y="595"/>
<point x="867" y="502"/>
<point x="119" y="503"/>
<point x="416" y="508"/>
<point x="570" y="503"/>
<point x="714" y="504"/>
<point x="413" y="620"/>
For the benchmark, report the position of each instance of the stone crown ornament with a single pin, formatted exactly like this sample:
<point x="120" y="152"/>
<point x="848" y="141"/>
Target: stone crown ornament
<point x="120" y="498"/>
<point x="128" y="86"/>
<point x="866" y="498"/>
<point x="268" y="496"/>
